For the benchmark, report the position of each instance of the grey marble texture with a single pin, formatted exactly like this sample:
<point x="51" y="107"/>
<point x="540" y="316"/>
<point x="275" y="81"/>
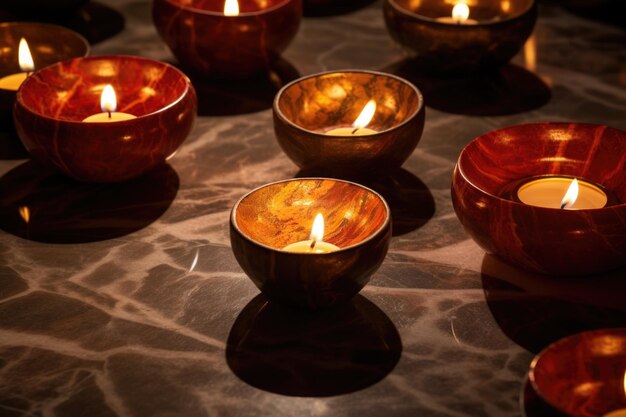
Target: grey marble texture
<point x="127" y="301"/>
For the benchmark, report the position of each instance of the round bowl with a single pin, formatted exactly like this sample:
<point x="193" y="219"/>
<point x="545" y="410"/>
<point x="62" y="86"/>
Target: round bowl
<point x="544" y="240"/>
<point x="48" y="44"/>
<point x="501" y="29"/>
<point x="583" y="375"/>
<point x="52" y="103"/>
<point x="205" y="40"/>
<point x="306" y="108"/>
<point x="275" y="215"/>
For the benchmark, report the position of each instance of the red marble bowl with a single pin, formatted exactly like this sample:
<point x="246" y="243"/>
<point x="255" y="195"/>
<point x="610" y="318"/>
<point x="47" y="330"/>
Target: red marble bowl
<point x="267" y="219"/>
<point x="52" y="103"/>
<point x="309" y="106"/>
<point x="502" y="29"/>
<point x="544" y="240"/>
<point x="212" y="44"/>
<point x="583" y="375"/>
<point x="48" y="44"/>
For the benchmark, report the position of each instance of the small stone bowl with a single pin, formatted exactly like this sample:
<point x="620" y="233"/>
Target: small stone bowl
<point x="275" y="215"/>
<point x="215" y="45"/>
<point x="52" y="103"/>
<point x="308" y="107"/>
<point x="544" y="240"/>
<point x="583" y="375"/>
<point x="500" y="30"/>
<point x="48" y="44"/>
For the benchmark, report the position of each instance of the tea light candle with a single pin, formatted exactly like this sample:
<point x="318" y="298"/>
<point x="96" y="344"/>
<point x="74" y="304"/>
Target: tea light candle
<point x="359" y="126"/>
<point x="315" y="243"/>
<point x="108" y="103"/>
<point x="562" y="193"/>
<point x="460" y="16"/>
<point x="231" y="8"/>
<point x="14" y="81"/>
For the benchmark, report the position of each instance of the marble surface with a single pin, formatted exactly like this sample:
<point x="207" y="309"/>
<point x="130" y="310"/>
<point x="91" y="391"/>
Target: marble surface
<point x="127" y="301"/>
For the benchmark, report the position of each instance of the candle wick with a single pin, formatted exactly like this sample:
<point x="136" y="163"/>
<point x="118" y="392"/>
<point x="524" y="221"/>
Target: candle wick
<point x="109" y="114"/>
<point x="563" y="205"/>
<point x="28" y="74"/>
<point x="313" y="243"/>
<point x="354" y="131"/>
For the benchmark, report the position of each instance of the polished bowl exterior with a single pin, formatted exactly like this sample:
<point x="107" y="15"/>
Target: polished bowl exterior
<point x="439" y="47"/>
<point x="315" y="281"/>
<point x="230" y="47"/>
<point x="49" y="122"/>
<point x="544" y="240"/>
<point x="348" y="156"/>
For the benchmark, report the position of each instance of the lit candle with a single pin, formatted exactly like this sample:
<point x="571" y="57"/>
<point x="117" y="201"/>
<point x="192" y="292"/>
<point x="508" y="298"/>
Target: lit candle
<point x="359" y="126"/>
<point x="460" y="16"/>
<point x="25" y="59"/>
<point x="562" y="192"/>
<point x="315" y="243"/>
<point x="231" y="8"/>
<point x="108" y="104"/>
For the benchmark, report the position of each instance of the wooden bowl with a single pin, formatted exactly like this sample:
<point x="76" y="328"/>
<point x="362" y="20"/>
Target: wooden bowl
<point x="205" y="40"/>
<point x="273" y="216"/>
<point x="544" y="240"/>
<point x="583" y="375"/>
<point x="52" y="103"/>
<point x="500" y="32"/>
<point x="306" y="108"/>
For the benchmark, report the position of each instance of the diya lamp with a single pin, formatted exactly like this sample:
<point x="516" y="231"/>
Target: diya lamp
<point x="546" y="197"/>
<point x="349" y="123"/>
<point x="310" y="242"/>
<point x="460" y="35"/>
<point x="584" y="375"/>
<point x="227" y="38"/>
<point x="65" y="115"/>
<point x="26" y="47"/>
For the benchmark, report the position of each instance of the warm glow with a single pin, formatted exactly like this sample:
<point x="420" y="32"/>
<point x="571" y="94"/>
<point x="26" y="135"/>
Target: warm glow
<point x="624" y="382"/>
<point x="231" y="8"/>
<point x="317" y="231"/>
<point x="530" y="54"/>
<point x="108" y="100"/>
<point x="24" y="213"/>
<point x="366" y="115"/>
<point x="25" y="58"/>
<point x="571" y="195"/>
<point x="460" y="12"/>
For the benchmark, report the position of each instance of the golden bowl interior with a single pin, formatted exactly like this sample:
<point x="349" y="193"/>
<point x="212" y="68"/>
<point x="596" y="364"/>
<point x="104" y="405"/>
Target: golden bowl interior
<point x="282" y="213"/>
<point x="329" y="100"/>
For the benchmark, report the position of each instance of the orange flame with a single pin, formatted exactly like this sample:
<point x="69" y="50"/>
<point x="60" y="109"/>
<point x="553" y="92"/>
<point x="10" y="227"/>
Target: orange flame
<point x="25" y="59"/>
<point x="571" y="195"/>
<point x="231" y="8"/>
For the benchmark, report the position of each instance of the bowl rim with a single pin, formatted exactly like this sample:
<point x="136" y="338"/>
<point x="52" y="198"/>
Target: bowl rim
<point x="539" y="356"/>
<point x="188" y="87"/>
<point x="381" y="229"/>
<point x="459" y="167"/>
<point x="218" y="14"/>
<point x="425" y="19"/>
<point x="59" y="28"/>
<point x="322" y="136"/>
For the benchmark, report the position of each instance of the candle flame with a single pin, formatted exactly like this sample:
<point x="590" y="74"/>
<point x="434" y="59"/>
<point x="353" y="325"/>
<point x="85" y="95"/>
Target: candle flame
<point x="571" y="195"/>
<point x="108" y="100"/>
<point x="460" y="12"/>
<point x="366" y="115"/>
<point x="231" y="8"/>
<point x="24" y="57"/>
<point x="317" y="231"/>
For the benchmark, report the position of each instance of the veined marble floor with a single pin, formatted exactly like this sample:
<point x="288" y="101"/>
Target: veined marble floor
<point x="126" y="300"/>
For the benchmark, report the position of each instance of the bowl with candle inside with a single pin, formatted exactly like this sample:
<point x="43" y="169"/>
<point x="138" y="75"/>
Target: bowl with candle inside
<point x="546" y="197"/>
<point x="584" y="375"/>
<point x="27" y="47"/>
<point x="349" y="123"/>
<point x="310" y="242"/>
<point x="460" y="35"/>
<point x="105" y="118"/>
<point x="227" y="38"/>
